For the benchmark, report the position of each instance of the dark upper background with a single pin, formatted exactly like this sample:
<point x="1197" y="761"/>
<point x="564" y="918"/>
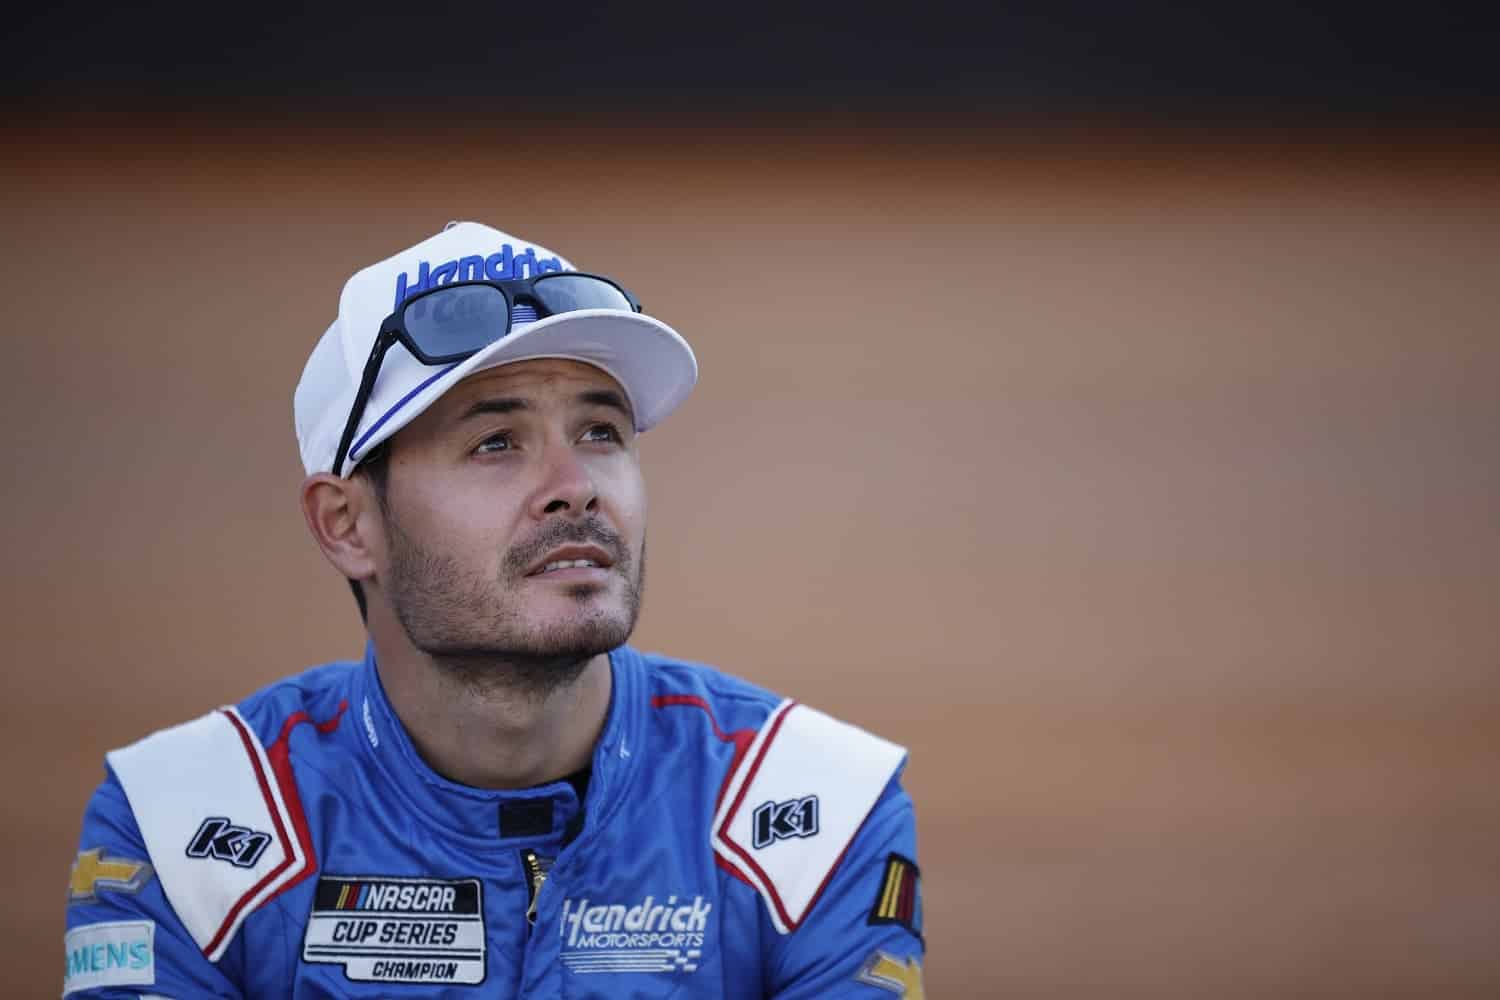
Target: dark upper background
<point x="1430" y="64"/>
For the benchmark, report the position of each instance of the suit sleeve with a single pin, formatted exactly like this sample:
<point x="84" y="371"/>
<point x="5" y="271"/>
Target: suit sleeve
<point x="123" y="938"/>
<point x="862" y="938"/>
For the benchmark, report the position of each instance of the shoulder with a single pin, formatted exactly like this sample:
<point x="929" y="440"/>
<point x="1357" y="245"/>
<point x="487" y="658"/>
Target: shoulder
<point x="314" y="694"/>
<point x="790" y="811"/>
<point x="733" y="703"/>
<point x="799" y="789"/>
<point x="217" y="806"/>
<point x="779" y="726"/>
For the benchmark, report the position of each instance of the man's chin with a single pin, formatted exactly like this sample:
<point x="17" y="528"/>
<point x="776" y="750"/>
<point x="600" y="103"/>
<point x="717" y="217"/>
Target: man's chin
<point x="558" y="607"/>
<point x="582" y="636"/>
<point x="542" y="658"/>
<point x="578" y="612"/>
<point x="570" y="630"/>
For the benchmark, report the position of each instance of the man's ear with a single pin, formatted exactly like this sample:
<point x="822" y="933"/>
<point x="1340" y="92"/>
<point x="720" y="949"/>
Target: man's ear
<point x="333" y="508"/>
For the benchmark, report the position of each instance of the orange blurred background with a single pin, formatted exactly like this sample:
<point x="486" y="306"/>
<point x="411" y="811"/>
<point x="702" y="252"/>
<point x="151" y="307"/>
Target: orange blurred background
<point x="1145" y="488"/>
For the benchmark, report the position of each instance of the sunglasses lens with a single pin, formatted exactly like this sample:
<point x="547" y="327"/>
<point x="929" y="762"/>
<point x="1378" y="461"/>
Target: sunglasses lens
<point x="566" y="292"/>
<point x="457" y="321"/>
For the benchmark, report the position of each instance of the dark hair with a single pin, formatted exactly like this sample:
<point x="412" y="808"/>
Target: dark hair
<point x="376" y="467"/>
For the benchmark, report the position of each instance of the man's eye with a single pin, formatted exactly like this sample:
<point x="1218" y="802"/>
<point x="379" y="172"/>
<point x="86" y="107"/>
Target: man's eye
<point x="608" y="433"/>
<point x="495" y="442"/>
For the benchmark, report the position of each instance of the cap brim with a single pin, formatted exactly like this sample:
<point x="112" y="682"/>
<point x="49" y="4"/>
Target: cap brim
<point x="651" y="362"/>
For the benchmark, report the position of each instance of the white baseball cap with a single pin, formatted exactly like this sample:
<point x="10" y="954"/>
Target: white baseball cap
<point x="651" y="362"/>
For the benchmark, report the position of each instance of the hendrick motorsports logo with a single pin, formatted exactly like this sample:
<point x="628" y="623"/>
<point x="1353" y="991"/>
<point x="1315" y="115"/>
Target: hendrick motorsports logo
<point x="499" y="266"/>
<point x="398" y="930"/>
<point x="651" y="936"/>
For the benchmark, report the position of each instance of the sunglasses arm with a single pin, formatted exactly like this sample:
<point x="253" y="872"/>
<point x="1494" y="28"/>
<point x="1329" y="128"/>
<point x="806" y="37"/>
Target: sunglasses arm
<point x="366" y="386"/>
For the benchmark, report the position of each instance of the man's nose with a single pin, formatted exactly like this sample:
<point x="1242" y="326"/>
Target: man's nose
<point x="567" y="488"/>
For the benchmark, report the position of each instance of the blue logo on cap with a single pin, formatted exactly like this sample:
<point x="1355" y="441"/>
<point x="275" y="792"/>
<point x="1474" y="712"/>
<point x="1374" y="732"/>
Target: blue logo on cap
<point x="496" y="267"/>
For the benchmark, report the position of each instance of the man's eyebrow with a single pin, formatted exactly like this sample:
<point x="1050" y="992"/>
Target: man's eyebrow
<point x="605" y="397"/>
<point x="514" y="404"/>
<point x="501" y="404"/>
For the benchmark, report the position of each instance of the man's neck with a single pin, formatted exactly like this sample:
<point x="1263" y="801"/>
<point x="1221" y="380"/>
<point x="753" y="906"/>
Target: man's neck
<point x="472" y="727"/>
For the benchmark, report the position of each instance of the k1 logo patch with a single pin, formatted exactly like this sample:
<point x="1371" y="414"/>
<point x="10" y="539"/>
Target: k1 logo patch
<point x="773" y="821"/>
<point x="219" y="839"/>
<point x="383" y="929"/>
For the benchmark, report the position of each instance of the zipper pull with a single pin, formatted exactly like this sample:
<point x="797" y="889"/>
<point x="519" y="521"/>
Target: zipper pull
<point x="536" y="868"/>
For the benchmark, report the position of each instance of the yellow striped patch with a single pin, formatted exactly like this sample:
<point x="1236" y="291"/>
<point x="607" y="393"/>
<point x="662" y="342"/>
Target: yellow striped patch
<point x="899" y="899"/>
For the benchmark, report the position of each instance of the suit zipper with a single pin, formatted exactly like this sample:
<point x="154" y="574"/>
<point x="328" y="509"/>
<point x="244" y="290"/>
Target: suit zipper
<point x="536" y="868"/>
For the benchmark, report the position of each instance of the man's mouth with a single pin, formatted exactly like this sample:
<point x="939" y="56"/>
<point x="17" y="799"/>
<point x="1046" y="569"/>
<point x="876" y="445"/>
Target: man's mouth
<point x="569" y="564"/>
<point x="572" y="557"/>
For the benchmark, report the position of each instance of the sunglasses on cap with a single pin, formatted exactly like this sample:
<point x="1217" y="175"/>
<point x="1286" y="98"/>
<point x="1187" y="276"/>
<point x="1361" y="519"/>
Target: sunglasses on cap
<point x="447" y="324"/>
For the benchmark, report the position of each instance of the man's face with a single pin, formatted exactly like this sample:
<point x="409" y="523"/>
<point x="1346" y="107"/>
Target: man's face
<point x="514" y="517"/>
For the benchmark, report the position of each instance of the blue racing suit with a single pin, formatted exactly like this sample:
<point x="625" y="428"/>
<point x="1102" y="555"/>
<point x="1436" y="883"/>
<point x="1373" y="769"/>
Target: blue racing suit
<point x="728" y="843"/>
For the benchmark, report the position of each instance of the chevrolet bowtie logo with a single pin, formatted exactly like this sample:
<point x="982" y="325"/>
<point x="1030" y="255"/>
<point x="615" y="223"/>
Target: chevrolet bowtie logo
<point x="93" y="871"/>
<point x="902" y="978"/>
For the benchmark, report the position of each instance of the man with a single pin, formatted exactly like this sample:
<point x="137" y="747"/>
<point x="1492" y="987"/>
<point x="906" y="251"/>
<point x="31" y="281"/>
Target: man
<point x="503" y="799"/>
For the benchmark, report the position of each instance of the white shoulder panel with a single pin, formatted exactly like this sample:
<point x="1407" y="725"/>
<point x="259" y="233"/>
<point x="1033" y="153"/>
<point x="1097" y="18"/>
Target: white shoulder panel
<point x="795" y="803"/>
<point x="215" y="820"/>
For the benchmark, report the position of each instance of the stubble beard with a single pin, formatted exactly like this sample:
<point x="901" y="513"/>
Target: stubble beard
<point x="473" y="628"/>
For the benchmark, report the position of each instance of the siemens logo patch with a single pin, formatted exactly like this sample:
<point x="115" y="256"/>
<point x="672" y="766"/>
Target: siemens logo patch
<point x="119" y="953"/>
<point x="650" y="936"/>
<point x="500" y="266"/>
<point x="398" y="930"/>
